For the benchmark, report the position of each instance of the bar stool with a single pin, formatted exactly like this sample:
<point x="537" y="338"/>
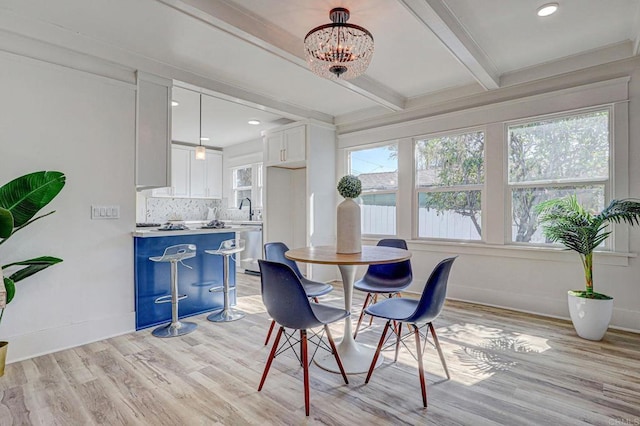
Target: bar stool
<point x="173" y="255"/>
<point x="227" y="249"/>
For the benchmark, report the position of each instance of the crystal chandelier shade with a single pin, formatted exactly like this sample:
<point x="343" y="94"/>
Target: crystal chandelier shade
<point x="338" y="50"/>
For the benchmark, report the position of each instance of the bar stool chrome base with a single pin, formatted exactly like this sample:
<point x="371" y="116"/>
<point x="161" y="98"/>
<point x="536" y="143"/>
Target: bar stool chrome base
<point x="173" y="255"/>
<point x="226" y="315"/>
<point x="174" y="329"/>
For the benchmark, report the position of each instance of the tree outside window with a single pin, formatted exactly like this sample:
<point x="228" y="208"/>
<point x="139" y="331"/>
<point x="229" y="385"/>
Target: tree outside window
<point x="449" y="176"/>
<point x="552" y="158"/>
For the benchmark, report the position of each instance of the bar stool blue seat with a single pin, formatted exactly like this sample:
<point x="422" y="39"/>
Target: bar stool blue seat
<point x="227" y="249"/>
<point x="173" y="255"/>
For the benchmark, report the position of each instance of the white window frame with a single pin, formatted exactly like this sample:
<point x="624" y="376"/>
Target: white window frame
<point x="553" y="183"/>
<point x="457" y="188"/>
<point x="496" y="221"/>
<point x="256" y="187"/>
<point x="377" y="192"/>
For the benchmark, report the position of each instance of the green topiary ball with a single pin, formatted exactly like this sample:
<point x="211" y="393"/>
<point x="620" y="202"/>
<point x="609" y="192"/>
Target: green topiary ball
<point x="350" y="186"/>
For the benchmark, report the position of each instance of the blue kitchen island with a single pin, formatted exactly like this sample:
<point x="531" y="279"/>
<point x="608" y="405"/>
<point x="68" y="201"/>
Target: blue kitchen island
<point x="153" y="279"/>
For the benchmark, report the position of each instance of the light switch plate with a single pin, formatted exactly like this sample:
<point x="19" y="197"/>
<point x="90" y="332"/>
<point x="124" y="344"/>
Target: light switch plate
<point x="105" y="212"/>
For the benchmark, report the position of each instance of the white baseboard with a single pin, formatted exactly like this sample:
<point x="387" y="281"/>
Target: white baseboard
<point x="53" y="340"/>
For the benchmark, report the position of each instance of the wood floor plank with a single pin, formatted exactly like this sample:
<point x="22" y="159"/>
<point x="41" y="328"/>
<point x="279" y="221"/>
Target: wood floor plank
<point x="507" y="368"/>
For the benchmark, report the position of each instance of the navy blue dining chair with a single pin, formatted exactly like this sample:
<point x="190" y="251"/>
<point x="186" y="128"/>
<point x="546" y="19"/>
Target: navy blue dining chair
<point x="288" y="304"/>
<point x="413" y="313"/>
<point x="275" y="252"/>
<point x="388" y="278"/>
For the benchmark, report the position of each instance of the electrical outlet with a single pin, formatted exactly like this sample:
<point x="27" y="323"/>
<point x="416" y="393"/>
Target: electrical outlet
<point x="105" y="212"/>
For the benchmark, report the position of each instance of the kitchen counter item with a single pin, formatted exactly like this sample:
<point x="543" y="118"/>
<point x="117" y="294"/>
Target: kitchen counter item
<point x="214" y="224"/>
<point x="173" y="227"/>
<point x="148" y="225"/>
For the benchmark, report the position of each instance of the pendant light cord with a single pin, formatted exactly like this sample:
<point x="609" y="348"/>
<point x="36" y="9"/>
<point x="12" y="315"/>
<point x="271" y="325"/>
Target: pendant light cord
<point x="200" y="137"/>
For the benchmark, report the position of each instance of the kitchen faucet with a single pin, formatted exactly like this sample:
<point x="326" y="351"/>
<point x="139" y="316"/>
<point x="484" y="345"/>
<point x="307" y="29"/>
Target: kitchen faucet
<point x="250" y="209"/>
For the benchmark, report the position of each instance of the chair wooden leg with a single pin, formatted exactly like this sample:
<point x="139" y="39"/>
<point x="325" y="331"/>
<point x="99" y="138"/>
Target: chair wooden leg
<point x="375" y="300"/>
<point x="378" y="349"/>
<point x="305" y="369"/>
<point x="272" y="355"/>
<point x="335" y="353"/>
<point x="423" y="384"/>
<point x="399" y="333"/>
<point x="437" y="343"/>
<point x="366" y="301"/>
<point x="266" y="341"/>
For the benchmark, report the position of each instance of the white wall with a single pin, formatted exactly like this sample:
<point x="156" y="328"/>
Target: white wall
<point x="526" y="279"/>
<point x="55" y="118"/>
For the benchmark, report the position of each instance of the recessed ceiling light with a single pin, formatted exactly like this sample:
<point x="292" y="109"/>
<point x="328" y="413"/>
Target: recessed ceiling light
<point x="204" y="138"/>
<point x="175" y="103"/>
<point x="547" y="9"/>
<point x="254" y="122"/>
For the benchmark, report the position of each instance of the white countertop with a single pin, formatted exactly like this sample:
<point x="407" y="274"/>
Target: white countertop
<point x="153" y="232"/>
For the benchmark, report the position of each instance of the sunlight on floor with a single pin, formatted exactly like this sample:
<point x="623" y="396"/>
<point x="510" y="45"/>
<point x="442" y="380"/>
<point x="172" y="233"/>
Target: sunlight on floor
<point x="484" y="351"/>
<point x="473" y="352"/>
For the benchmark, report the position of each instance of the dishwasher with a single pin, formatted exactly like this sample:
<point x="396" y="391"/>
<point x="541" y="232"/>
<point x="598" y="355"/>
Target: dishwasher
<point x="252" y="249"/>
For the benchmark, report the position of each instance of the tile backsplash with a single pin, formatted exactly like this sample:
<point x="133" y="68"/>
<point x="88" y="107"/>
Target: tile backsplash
<point x="163" y="209"/>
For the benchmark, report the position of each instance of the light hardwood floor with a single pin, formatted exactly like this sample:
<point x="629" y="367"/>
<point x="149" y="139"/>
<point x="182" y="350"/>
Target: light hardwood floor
<point x="507" y="368"/>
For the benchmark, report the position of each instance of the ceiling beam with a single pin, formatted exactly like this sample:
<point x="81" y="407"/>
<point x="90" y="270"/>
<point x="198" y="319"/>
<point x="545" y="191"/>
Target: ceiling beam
<point x="442" y="22"/>
<point x="247" y="26"/>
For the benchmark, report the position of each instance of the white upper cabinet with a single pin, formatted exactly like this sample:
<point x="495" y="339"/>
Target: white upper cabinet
<point x="206" y="175"/>
<point x="153" y="131"/>
<point x="198" y="175"/>
<point x="191" y="178"/>
<point x="273" y="148"/>
<point x="295" y="140"/>
<point x="180" y="176"/>
<point x="213" y="188"/>
<point x="286" y="148"/>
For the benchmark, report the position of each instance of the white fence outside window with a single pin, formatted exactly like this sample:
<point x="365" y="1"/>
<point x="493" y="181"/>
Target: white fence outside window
<point x="381" y="220"/>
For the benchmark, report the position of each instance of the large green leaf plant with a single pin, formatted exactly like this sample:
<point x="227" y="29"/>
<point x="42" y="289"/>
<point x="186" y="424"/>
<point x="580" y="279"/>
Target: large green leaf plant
<point x="20" y="201"/>
<point x="566" y="221"/>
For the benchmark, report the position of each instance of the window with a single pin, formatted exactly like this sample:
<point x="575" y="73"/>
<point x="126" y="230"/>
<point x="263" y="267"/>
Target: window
<point x="551" y="158"/>
<point x="377" y="169"/>
<point x="449" y="177"/>
<point x="247" y="183"/>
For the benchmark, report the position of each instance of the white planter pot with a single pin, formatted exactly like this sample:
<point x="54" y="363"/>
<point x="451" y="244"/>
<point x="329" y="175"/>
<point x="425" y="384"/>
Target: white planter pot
<point x="348" y="221"/>
<point x="590" y="317"/>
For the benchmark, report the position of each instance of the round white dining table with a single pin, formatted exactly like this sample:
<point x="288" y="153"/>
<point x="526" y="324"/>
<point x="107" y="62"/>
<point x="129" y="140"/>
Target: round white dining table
<point x="356" y="357"/>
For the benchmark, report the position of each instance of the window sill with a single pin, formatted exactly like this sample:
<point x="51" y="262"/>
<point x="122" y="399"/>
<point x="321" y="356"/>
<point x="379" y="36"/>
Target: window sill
<point x="556" y="254"/>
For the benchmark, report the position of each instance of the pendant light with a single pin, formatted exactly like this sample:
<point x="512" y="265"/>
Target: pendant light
<point x="201" y="151"/>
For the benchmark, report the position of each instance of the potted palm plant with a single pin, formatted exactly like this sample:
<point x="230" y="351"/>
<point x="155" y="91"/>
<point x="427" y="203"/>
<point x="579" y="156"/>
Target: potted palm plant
<point x="566" y="221"/>
<point x="20" y="201"/>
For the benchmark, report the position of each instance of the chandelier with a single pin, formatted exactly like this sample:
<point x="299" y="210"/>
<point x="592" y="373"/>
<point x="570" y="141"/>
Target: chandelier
<point x="338" y="50"/>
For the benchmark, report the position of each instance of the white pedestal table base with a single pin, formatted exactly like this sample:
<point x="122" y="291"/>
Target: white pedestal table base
<point x="356" y="357"/>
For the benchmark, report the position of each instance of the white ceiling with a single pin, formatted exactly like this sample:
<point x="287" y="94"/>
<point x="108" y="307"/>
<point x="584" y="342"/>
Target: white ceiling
<point x="251" y="51"/>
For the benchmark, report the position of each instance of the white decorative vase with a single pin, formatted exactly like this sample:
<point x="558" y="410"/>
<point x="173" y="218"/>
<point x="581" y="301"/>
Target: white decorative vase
<point x="590" y="317"/>
<point x="349" y="234"/>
